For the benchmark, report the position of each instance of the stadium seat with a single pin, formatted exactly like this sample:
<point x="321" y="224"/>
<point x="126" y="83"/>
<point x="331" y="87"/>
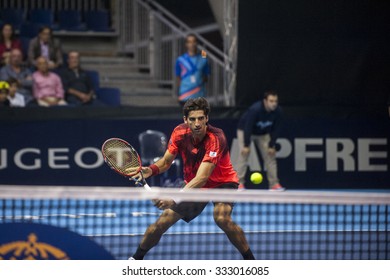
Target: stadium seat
<point x="42" y="17"/>
<point x="25" y="41"/>
<point x="70" y="20"/>
<point x="95" y="78"/>
<point x="29" y="30"/>
<point x="97" y="21"/>
<point x="12" y="16"/>
<point x="109" y="96"/>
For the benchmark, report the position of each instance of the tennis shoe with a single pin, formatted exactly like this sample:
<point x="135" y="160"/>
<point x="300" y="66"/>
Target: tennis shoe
<point x="277" y="188"/>
<point x="241" y="187"/>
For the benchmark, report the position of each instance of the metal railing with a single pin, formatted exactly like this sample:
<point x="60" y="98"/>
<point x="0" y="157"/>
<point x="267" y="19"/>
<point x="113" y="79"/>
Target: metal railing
<point x="156" y="38"/>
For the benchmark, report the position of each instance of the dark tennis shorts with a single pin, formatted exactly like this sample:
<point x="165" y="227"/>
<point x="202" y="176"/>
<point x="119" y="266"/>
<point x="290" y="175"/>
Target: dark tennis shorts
<point x="191" y="210"/>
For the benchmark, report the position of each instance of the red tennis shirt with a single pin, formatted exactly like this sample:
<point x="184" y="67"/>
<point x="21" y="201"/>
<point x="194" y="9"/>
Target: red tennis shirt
<point x="213" y="148"/>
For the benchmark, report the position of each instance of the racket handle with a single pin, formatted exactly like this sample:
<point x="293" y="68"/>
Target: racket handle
<point x="141" y="183"/>
<point x="147" y="187"/>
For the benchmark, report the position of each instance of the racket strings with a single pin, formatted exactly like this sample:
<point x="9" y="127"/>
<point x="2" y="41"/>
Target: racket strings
<point x="121" y="157"/>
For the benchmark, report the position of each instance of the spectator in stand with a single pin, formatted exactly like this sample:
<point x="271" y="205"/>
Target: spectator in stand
<point x="7" y="43"/>
<point x="47" y="87"/>
<point x="44" y="45"/>
<point x="4" y="89"/>
<point x="15" y="98"/>
<point x="77" y="84"/>
<point x="16" y="70"/>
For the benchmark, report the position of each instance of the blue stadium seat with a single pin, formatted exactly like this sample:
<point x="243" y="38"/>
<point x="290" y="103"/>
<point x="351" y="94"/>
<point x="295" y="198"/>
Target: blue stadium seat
<point x="109" y="96"/>
<point x="95" y="78"/>
<point x="42" y="16"/>
<point x="25" y="41"/>
<point x="98" y="21"/>
<point x="12" y="16"/>
<point x="29" y="30"/>
<point x="70" y="20"/>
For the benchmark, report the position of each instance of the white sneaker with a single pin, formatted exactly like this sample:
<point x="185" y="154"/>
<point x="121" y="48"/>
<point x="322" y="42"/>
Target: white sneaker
<point x="131" y="259"/>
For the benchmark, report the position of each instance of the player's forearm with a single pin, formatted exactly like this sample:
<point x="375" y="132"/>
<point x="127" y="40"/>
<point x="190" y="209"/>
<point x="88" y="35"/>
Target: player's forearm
<point x="163" y="165"/>
<point x="247" y="137"/>
<point x="75" y="92"/>
<point x="197" y="182"/>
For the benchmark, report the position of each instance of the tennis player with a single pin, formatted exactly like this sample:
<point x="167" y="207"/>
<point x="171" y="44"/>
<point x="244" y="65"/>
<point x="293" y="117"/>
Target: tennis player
<point x="205" y="153"/>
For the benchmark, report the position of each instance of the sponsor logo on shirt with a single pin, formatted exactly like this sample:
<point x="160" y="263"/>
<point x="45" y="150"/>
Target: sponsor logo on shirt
<point x="263" y="125"/>
<point x="213" y="154"/>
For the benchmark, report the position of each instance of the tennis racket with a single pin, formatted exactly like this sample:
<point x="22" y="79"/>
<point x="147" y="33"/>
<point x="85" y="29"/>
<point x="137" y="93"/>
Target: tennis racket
<point x="121" y="157"/>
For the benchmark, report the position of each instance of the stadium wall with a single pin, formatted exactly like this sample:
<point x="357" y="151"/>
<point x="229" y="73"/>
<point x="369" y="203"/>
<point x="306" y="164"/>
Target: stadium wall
<point x="317" y="153"/>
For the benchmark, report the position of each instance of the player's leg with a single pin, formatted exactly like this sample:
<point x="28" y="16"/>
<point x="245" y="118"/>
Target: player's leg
<point x="154" y="232"/>
<point x="242" y="161"/>
<point x="269" y="160"/>
<point x="222" y="217"/>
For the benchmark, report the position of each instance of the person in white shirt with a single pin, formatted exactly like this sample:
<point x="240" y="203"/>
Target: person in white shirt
<point x="15" y="98"/>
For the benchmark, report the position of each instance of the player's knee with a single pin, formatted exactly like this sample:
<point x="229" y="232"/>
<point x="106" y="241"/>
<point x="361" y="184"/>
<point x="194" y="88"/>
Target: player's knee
<point x="223" y="221"/>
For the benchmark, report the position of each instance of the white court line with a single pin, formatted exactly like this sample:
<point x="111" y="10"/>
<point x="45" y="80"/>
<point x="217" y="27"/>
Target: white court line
<point x="77" y="216"/>
<point x="251" y="231"/>
<point x="72" y="216"/>
<point x="142" y="214"/>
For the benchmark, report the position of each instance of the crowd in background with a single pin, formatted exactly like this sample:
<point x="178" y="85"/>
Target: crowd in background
<point x="40" y="76"/>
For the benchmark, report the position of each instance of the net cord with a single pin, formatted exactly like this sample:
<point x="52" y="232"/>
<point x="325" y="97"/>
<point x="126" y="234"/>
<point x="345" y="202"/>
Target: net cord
<point x="255" y="196"/>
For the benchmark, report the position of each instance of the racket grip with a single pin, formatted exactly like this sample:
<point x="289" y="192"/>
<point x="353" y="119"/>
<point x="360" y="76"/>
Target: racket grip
<point x="147" y="187"/>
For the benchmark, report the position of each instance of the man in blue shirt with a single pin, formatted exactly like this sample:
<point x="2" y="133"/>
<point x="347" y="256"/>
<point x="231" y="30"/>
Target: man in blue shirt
<point x="16" y="70"/>
<point x="192" y="71"/>
<point x="260" y="123"/>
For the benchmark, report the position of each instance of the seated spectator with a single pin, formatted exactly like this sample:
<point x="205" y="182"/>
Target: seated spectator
<point x="16" y="70"/>
<point x="7" y="43"/>
<point x="4" y="89"/>
<point x="15" y="98"/>
<point x="77" y="84"/>
<point x="47" y="87"/>
<point x="46" y="46"/>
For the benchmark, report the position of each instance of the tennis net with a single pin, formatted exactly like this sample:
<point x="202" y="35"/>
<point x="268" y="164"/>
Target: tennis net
<point x="288" y="225"/>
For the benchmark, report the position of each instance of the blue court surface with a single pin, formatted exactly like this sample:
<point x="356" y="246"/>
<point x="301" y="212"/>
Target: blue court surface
<point x="274" y="231"/>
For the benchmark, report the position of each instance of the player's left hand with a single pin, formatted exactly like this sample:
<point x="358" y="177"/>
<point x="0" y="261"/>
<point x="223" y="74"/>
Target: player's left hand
<point x="164" y="204"/>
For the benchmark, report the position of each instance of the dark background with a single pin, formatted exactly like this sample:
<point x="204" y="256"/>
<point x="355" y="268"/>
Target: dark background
<point x="315" y="52"/>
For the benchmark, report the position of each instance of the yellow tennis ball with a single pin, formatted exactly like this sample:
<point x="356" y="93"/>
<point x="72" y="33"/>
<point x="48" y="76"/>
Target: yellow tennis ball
<point x="256" y="178"/>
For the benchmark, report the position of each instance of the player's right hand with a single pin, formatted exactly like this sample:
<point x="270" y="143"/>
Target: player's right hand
<point x="146" y="171"/>
<point x="135" y="174"/>
<point x="245" y="151"/>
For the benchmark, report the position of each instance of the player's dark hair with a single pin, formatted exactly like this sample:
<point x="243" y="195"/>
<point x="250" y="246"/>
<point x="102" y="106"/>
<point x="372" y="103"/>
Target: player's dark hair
<point x="270" y="92"/>
<point x="192" y="35"/>
<point x="196" y="104"/>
